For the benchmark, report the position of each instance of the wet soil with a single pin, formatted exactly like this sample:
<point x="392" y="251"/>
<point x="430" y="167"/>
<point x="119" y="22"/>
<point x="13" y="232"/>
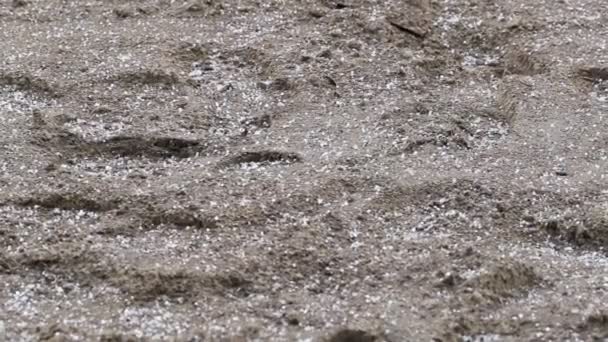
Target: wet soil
<point x="311" y="170"/>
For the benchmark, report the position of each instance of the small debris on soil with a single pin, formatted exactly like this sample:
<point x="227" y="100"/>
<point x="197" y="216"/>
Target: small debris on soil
<point x="327" y="170"/>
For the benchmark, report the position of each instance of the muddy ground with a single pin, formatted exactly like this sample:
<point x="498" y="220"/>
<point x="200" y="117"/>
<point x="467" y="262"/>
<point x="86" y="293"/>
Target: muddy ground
<point x="306" y="170"/>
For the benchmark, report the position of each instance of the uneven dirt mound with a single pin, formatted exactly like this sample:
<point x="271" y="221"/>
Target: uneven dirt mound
<point x="314" y="170"/>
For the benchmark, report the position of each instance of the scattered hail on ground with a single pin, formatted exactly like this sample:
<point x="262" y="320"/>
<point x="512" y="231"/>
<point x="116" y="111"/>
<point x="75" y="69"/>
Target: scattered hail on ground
<point x="303" y="170"/>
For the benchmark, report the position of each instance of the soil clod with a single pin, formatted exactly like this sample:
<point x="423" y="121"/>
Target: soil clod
<point x="262" y="157"/>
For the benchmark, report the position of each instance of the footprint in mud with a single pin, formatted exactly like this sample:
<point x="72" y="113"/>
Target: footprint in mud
<point x="262" y="157"/>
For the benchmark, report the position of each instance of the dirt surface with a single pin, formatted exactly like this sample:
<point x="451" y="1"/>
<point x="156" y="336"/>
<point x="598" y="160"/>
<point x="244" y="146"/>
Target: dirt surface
<point x="306" y="170"/>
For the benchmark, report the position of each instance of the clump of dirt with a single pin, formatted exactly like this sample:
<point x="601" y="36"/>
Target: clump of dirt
<point x="587" y="230"/>
<point x="7" y="264"/>
<point x="352" y="335"/>
<point x="595" y="326"/>
<point x="593" y="78"/>
<point x="593" y="74"/>
<point x="512" y="91"/>
<point x="262" y="157"/>
<point x="247" y="56"/>
<point x="278" y="84"/>
<point x="180" y="219"/>
<point x="415" y="18"/>
<point x="110" y="336"/>
<point x="52" y="332"/>
<point x="518" y="62"/>
<point x="310" y="263"/>
<point x="262" y="121"/>
<point x="504" y="280"/>
<point x="191" y="52"/>
<point x="134" y="11"/>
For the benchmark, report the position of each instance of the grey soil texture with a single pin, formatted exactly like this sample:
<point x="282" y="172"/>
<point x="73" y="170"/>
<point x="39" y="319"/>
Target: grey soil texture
<point x="306" y="170"/>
